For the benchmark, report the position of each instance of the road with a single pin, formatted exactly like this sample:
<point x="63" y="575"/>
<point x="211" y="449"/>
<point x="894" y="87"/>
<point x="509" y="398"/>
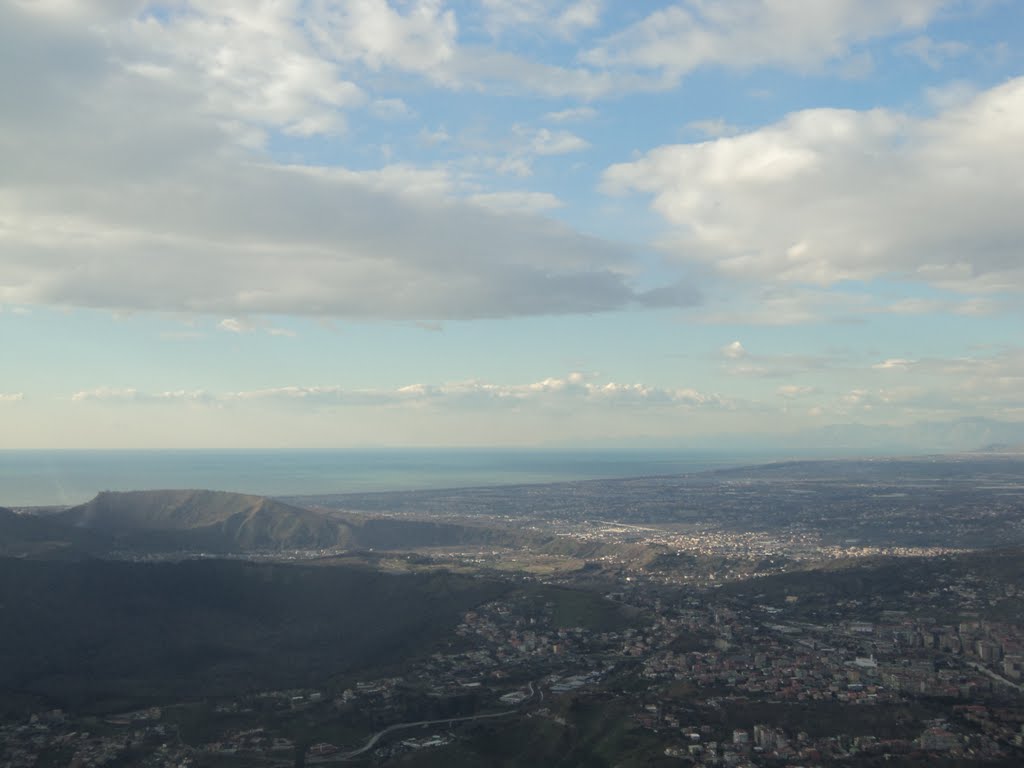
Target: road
<point x="372" y="742"/>
<point x="994" y="676"/>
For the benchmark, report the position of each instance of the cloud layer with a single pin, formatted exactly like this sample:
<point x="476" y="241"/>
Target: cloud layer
<point x="137" y="176"/>
<point x="576" y="388"/>
<point x="127" y="185"/>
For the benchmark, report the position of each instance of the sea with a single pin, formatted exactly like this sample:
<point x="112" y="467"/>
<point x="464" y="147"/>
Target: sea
<point x="57" y="478"/>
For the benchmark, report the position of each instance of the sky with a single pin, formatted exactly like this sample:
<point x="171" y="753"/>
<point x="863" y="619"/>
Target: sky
<point x="583" y="223"/>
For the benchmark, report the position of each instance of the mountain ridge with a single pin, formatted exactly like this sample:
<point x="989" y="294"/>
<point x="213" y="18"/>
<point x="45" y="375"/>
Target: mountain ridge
<point x="222" y="522"/>
<point x="216" y="520"/>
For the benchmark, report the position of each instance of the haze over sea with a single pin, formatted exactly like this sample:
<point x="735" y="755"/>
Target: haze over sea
<point x="42" y="478"/>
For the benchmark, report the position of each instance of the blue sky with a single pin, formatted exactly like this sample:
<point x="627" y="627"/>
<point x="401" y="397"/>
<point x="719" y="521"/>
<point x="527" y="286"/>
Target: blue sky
<point x="310" y="223"/>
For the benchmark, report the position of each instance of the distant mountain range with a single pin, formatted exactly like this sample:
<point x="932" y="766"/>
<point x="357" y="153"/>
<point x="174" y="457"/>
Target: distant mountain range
<point x="845" y="440"/>
<point x="1001" y="448"/>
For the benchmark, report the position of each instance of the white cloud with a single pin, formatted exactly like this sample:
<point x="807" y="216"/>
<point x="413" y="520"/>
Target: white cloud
<point x="432" y="138"/>
<point x="916" y="306"/>
<point x="11" y="397"/>
<point x="82" y="10"/>
<point x="547" y="142"/>
<point x="893" y="363"/>
<point x="547" y="17"/>
<point x="126" y="192"/>
<point x="673" y="41"/>
<point x="857" y="66"/>
<point x="713" y="128"/>
<point x="571" y="114"/>
<point x="250" y="60"/>
<point x="791" y="391"/>
<point x="582" y="14"/>
<point x="131" y="395"/>
<point x="775" y="307"/>
<point x="931" y="52"/>
<point x="245" y="325"/>
<point x="734" y="351"/>
<point x="798" y="305"/>
<point x="391" y="109"/>
<point x="523" y="202"/>
<point x="978" y="385"/>
<point x="395" y="179"/>
<point x="504" y="72"/>
<point x="234" y="325"/>
<point x="743" y="363"/>
<point x="827" y="195"/>
<point x="575" y="388"/>
<point x="378" y="35"/>
<point x="295" y="64"/>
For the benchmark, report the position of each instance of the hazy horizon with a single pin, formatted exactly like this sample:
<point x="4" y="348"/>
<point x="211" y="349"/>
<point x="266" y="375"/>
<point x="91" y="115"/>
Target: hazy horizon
<point x="61" y="477"/>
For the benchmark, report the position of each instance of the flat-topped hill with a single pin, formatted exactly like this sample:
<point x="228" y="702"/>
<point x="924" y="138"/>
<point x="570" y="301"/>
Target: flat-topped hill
<point x="171" y="510"/>
<point x="215" y="520"/>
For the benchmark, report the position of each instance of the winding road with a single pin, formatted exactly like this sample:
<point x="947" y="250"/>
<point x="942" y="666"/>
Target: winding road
<point x="372" y="742"/>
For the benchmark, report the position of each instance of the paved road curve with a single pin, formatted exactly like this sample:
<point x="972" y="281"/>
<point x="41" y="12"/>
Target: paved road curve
<point x="400" y="726"/>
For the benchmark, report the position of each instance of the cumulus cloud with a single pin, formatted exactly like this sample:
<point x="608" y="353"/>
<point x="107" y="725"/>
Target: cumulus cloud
<point x="251" y="60"/>
<point x="575" y="388"/>
<point x="131" y="395"/>
<point x="572" y="388"/>
<point x="234" y="325"/>
<point x="827" y="195"/>
<point x="380" y="35"/>
<point x="571" y="114"/>
<point x="295" y="63"/>
<point x="11" y="397"/>
<point x="734" y="351"/>
<point x="547" y="142"/>
<point x="128" y="191"/>
<point x="893" y="363"/>
<point x="791" y="391"/>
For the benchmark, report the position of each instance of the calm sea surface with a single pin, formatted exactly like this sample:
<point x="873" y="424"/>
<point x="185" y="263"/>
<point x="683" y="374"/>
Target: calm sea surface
<point x="36" y="478"/>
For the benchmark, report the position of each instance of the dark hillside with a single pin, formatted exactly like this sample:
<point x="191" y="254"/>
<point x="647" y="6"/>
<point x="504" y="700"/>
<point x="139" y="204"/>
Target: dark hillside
<point x="934" y="585"/>
<point x="80" y="632"/>
<point x="22" y="535"/>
